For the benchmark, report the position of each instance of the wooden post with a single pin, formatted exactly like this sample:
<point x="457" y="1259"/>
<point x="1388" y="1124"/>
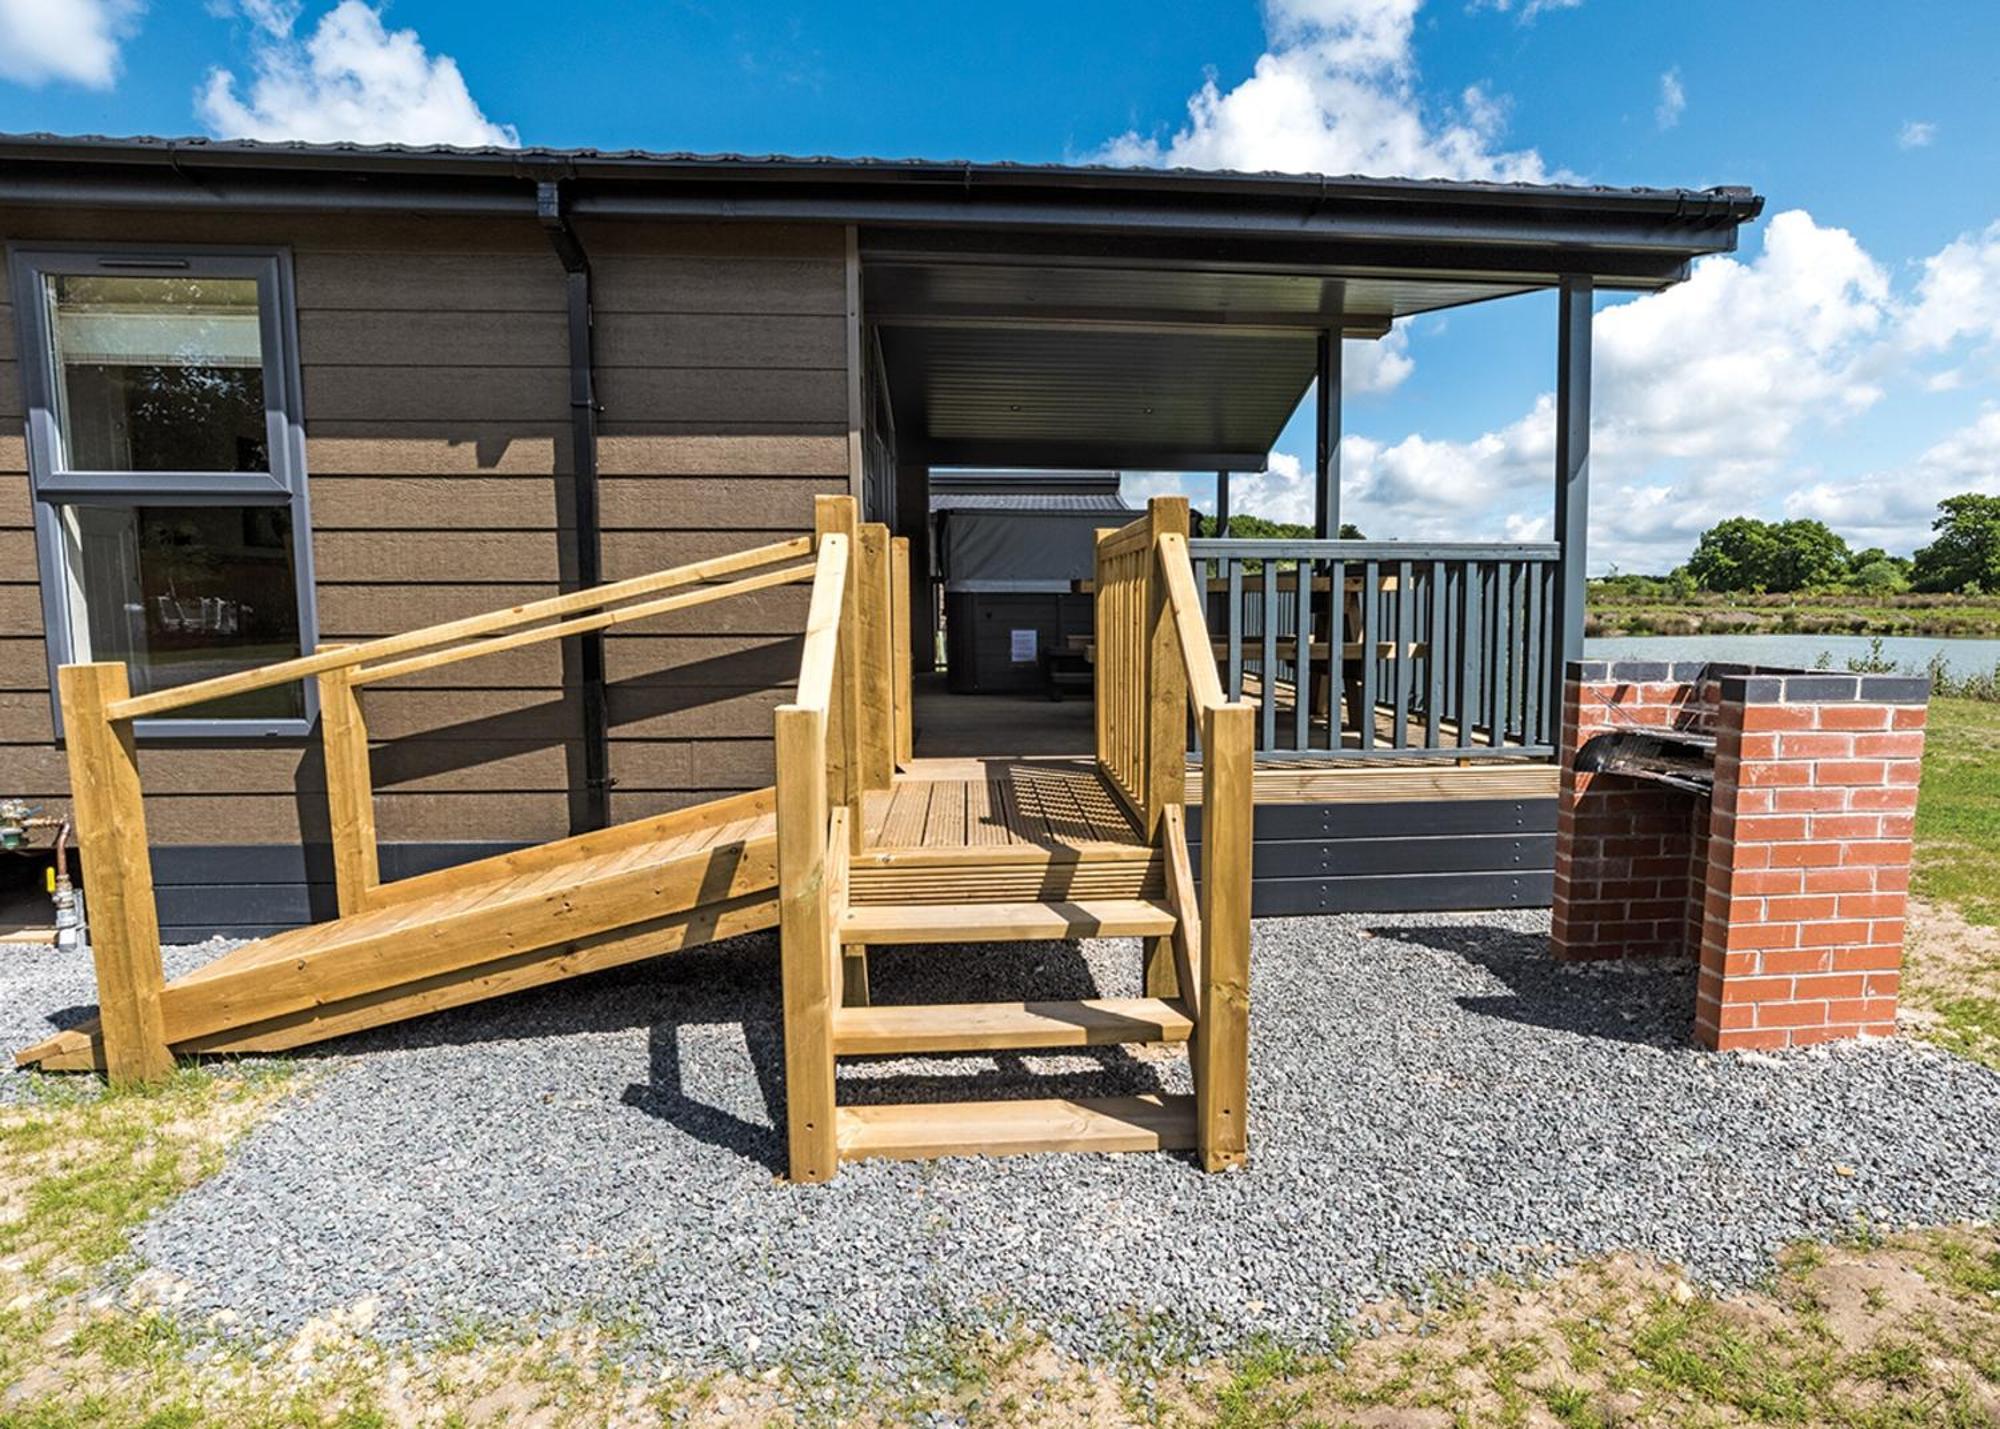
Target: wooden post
<point x="1166" y="680"/>
<point x="111" y="835"/>
<point x="1103" y="647"/>
<point x="1223" y="1035"/>
<point x="350" y="791"/>
<point x="806" y="943"/>
<point x="899" y="620"/>
<point x="837" y="515"/>
<point x="875" y="638"/>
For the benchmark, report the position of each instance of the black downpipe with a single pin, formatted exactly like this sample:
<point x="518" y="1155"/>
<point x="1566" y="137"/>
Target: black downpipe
<point x="595" y="812"/>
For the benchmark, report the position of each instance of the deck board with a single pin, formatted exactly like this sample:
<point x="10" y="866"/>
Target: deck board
<point x="1055" y="804"/>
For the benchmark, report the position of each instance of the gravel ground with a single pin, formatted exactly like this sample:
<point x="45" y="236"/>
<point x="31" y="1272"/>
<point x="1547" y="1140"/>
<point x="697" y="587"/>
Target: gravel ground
<point x="1431" y="1096"/>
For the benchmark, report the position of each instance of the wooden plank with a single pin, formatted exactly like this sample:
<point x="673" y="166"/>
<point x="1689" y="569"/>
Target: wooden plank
<point x="601" y="620"/>
<point x="350" y="791"/>
<point x="82" y="1049"/>
<point x="562" y="853"/>
<point x="110" y="817"/>
<point x="806" y="942"/>
<point x="1005" y="883"/>
<point x="1184" y="898"/>
<point x="402" y="943"/>
<point x="1010" y="1128"/>
<point x="899" y="622"/>
<point x="994" y="1026"/>
<point x="1357" y="783"/>
<point x="854" y="957"/>
<point x="1007" y="922"/>
<point x="430" y="636"/>
<point x="1223" y="1044"/>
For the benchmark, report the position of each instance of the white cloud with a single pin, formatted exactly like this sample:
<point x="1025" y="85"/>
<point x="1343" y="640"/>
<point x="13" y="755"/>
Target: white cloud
<point x="1673" y="100"/>
<point x="353" y="79"/>
<point x="75" y="41"/>
<point x="1336" y="93"/>
<point x="1894" y="509"/>
<point x="1916" y="134"/>
<point x="1381" y="365"/>
<point x="1529" y="9"/>
<point x="1958" y="296"/>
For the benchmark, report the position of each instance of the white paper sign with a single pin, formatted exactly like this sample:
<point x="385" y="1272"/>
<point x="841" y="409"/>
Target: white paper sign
<point x="1024" y="647"/>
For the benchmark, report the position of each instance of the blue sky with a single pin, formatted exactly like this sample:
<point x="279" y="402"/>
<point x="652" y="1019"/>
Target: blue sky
<point x="1846" y="364"/>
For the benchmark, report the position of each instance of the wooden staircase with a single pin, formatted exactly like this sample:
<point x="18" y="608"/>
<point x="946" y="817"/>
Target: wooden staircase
<point x="1044" y="853"/>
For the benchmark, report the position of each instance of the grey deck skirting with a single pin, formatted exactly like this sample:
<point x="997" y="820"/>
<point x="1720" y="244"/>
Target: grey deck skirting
<point x="1310" y="858"/>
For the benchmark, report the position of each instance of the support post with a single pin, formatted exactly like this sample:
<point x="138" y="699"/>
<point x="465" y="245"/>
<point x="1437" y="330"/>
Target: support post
<point x="1326" y="442"/>
<point x="350" y="789"/>
<point x="1222" y="1036"/>
<point x="111" y="835"/>
<point x="1572" y="508"/>
<point x="838" y="515"/>
<point x="1165" y="680"/>
<point x="806" y="943"/>
<point x="1221" y="504"/>
<point x="875" y="638"/>
<point x="899" y="624"/>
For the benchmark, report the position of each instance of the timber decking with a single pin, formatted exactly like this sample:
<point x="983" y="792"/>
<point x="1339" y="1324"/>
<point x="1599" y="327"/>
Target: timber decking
<point x="1058" y="804"/>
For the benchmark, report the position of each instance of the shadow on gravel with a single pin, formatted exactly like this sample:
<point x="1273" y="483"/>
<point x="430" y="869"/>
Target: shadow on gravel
<point x="1649" y="1003"/>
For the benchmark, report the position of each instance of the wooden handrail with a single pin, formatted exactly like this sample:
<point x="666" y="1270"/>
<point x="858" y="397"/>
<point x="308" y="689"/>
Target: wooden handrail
<point x="553" y="608"/>
<point x="1204" y="686"/>
<point x="623" y="615"/>
<point x="822" y="643"/>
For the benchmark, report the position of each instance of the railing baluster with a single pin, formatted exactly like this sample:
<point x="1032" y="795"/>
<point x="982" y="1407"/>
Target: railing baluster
<point x="1371" y="603"/>
<point x="1468" y="651"/>
<point x="1405" y="638"/>
<point x="1267" y="675"/>
<point x="1535" y="676"/>
<point x="1302" y="660"/>
<point x="1235" y="618"/>
<point x="1434" y="657"/>
<point x="1336" y="668"/>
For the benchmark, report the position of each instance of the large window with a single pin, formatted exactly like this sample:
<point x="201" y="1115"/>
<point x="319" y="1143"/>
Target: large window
<point x="168" y="470"/>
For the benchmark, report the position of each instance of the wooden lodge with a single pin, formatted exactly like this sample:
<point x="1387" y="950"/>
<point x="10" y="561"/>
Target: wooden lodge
<point x="459" y="570"/>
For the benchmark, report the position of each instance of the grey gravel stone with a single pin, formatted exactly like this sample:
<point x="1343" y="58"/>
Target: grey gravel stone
<point x="1431" y="1097"/>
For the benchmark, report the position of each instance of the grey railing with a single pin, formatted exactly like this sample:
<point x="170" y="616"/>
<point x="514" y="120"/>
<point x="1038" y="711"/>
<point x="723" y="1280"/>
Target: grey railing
<point x="1356" y="649"/>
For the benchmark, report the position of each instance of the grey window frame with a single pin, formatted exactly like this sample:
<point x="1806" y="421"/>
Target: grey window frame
<point x="52" y="487"/>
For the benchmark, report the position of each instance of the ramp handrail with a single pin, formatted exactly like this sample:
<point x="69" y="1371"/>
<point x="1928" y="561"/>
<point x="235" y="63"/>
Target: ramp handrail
<point x="108" y="801"/>
<point x="1155" y="666"/>
<point x="472" y="627"/>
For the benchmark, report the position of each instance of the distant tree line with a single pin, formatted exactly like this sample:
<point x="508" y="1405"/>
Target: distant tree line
<point x="1744" y="554"/>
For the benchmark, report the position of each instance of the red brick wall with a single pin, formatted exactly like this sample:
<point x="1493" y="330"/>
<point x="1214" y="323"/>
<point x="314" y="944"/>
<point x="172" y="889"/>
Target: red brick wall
<point x="1788" y="883"/>
<point x="1809" y="866"/>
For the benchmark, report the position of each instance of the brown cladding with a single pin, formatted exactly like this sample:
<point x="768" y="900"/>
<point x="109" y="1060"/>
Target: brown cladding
<point x="434" y="357"/>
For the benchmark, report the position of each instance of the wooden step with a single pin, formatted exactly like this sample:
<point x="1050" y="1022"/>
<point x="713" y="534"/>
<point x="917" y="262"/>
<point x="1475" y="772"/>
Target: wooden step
<point x="990" y="1026"/>
<point x="1011" y="1128"/>
<point x="1005" y="922"/>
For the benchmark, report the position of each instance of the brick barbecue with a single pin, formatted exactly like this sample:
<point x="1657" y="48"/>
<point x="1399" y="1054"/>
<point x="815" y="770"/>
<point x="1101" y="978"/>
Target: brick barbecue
<point x="1756" y="820"/>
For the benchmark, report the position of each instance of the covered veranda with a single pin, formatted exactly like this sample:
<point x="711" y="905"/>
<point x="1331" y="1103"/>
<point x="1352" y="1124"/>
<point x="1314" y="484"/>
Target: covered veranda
<point x="1185" y="341"/>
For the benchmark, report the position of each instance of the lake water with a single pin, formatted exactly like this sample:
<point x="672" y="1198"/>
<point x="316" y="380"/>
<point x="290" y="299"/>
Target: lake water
<point x="1914" y="652"/>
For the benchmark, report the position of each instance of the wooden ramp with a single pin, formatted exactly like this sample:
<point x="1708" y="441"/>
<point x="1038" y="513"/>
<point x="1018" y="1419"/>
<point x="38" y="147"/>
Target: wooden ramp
<point x="473" y="932"/>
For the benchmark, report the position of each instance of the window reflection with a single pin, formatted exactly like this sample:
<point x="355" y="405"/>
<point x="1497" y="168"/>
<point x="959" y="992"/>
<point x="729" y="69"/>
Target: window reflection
<point x="158" y="373"/>
<point x="185" y="593"/>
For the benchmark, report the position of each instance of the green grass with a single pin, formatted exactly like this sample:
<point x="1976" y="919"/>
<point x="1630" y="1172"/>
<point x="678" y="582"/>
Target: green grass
<point x="1958" y="813"/>
<point x="1613" y="612"/>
